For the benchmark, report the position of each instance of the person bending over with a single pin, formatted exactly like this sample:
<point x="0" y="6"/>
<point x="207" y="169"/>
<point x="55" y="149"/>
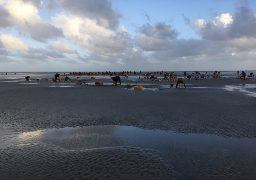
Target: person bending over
<point x="243" y="75"/>
<point x="67" y="78"/>
<point x="115" y="79"/>
<point x="181" y="81"/>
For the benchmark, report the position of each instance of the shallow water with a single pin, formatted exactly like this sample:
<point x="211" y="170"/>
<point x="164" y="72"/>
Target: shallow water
<point x="248" y="89"/>
<point x="217" y="151"/>
<point x="85" y="137"/>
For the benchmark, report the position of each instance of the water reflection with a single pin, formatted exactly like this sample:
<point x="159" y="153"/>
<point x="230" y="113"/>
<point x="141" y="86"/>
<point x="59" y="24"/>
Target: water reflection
<point x="186" y="152"/>
<point x="114" y="135"/>
<point x="244" y="88"/>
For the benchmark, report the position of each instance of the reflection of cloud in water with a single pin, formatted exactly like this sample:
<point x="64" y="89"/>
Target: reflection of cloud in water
<point x="246" y="88"/>
<point x="74" y="138"/>
<point x="114" y="135"/>
<point x="144" y="89"/>
<point x="31" y="135"/>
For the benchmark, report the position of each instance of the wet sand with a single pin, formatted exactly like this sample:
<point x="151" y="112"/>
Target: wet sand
<point x="206" y="109"/>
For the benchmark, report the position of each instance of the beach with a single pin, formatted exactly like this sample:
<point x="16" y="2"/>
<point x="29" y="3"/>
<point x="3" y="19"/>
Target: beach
<point x="73" y="130"/>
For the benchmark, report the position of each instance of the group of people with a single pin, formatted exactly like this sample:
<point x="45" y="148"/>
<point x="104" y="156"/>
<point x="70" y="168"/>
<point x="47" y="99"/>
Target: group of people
<point x="116" y="79"/>
<point x="57" y="75"/>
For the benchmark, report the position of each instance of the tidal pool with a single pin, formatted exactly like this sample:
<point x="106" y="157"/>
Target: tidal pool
<point x="115" y="135"/>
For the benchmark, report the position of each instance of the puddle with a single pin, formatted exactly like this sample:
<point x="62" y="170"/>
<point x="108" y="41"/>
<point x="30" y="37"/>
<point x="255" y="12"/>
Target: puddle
<point x="61" y="86"/>
<point x="104" y="84"/>
<point x="10" y="81"/>
<point x="115" y="135"/>
<point x="31" y="83"/>
<point x="191" y="151"/>
<point x="202" y="87"/>
<point x="248" y="89"/>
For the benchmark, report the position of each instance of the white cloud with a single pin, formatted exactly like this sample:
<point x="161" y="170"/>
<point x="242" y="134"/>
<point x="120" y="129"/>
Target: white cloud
<point x="226" y="27"/>
<point x="226" y="19"/>
<point x="30" y="23"/>
<point x="86" y="33"/>
<point x="200" y="23"/>
<point x="99" y="10"/>
<point x="63" y="48"/>
<point x="11" y="42"/>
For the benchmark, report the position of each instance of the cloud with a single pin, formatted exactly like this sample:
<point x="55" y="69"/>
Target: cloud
<point x="1" y="44"/>
<point x="51" y="4"/>
<point x="100" y="10"/>
<point x="63" y="48"/>
<point x="29" y="23"/>
<point x="242" y="44"/>
<point x="86" y="33"/>
<point x="11" y="42"/>
<point x="36" y="3"/>
<point x="186" y="20"/>
<point x="244" y="23"/>
<point x="41" y="54"/>
<point x="3" y="52"/>
<point x="147" y="16"/>
<point x="155" y="38"/>
<point x="217" y="29"/>
<point x="5" y="17"/>
<point x="226" y="27"/>
<point x="4" y="59"/>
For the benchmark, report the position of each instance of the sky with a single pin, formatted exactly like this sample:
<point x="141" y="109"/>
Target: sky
<point x="120" y="35"/>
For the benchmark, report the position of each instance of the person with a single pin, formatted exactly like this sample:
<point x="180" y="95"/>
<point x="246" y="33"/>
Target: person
<point x="115" y="79"/>
<point x="67" y="78"/>
<point x="180" y="81"/>
<point x="27" y="78"/>
<point x="152" y="77"/>
<point x="251" y="75"/>
<point x="56" y="76"/>
<point x="243" y="74"/>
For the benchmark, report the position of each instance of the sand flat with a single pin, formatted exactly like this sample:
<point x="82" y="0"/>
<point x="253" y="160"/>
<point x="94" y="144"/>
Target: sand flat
<point x="169" y="130"/>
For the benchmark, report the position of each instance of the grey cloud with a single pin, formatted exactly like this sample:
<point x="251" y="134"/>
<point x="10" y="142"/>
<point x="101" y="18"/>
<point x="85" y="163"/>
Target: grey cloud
<point x="114" y="44"/>
<point x="5" y="59"/>
<point x="41" y="54"/>
<point x="1" y="44"/>
<point x="43" y="31"/>
<point x="63" y="50"/>
<point x="147" y="16"/>
<point x="193" y="49"/>
<point x="244" y="23"/>
<point x="51" y="4"/>
<point x="5" y="18"/>
<point x="96" y="9"/>
<point x="3" y="52"/>
<point x="212" y="32"/>
<point x="186" y="20"/>
<point x="155" y="38"/>
<point x="160" y="30"/>
<point x="36" y="3"/>
<point x="151" y="43"/>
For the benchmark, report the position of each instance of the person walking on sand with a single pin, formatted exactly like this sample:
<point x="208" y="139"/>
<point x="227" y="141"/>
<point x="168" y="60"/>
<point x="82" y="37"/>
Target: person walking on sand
<point x="181" y="81"/>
